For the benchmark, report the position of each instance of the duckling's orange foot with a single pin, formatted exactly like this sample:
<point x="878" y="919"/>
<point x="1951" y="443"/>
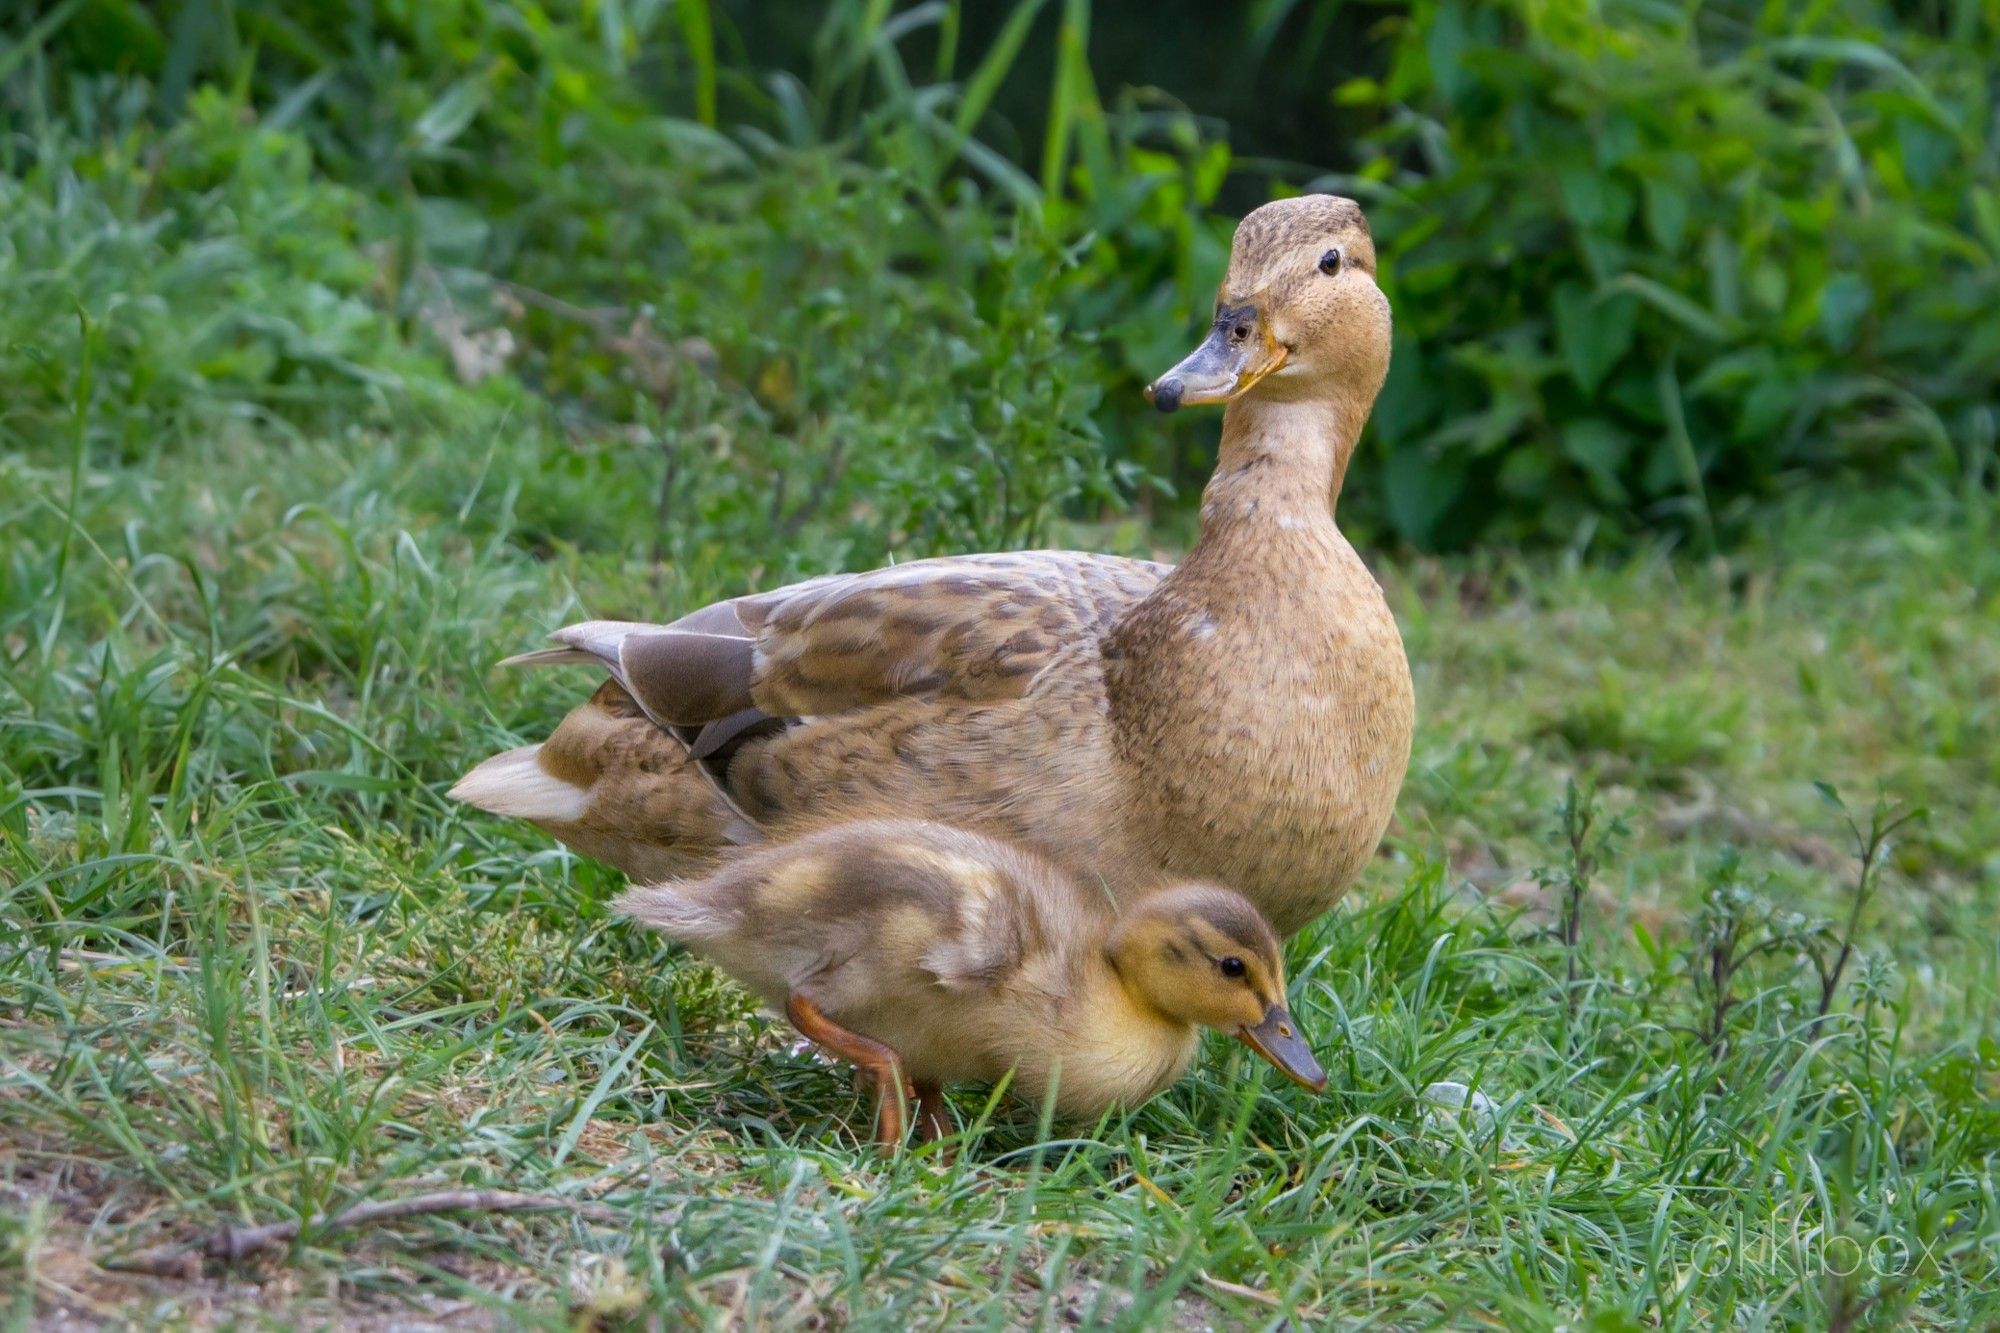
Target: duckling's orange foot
<point x="933" y="1113"/>
<point x="894" y="1095"/>
<point x="878" y="1064"/>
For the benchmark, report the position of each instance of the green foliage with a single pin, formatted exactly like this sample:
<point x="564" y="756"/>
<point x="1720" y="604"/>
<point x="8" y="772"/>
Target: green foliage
<point x="1654" y="263"/>
<point x="221" y="277"/>
<point x="803" y="360"/>
<point x="1651" y="266"/>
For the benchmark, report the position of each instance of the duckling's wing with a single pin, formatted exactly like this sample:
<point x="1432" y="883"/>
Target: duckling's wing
<point x="978" y="957"/>
<point x="998" y="922"/>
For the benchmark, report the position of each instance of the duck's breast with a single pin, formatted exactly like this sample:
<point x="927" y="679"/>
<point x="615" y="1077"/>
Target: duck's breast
<point x="1261" y="714"/>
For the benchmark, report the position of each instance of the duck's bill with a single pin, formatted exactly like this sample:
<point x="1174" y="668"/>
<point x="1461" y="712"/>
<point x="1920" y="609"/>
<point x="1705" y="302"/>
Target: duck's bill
<point x="1238" y="351"/>
<point x="1277" y="1039"/>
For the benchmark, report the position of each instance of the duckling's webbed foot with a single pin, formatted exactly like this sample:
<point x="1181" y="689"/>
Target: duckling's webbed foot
<point x="892" y="1091"/>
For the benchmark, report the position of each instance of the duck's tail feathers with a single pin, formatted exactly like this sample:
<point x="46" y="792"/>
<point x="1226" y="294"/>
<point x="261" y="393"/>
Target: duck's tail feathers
<point x="514" y="783"/>
<point x="547" y="657"/>
<point x="680" y="677"/>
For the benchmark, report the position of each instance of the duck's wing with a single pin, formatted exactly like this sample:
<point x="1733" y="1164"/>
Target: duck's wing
<point x="696" y="691"/>
<point x="971" y="628"/>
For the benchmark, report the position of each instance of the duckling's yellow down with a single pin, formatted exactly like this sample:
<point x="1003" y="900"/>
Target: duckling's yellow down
<point x="972" y="959"/>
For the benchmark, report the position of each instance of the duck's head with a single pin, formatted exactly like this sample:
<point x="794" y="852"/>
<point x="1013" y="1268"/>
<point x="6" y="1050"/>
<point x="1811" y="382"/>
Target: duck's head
<point x="1202" y="954"/>
<point x="1298" y="313"/>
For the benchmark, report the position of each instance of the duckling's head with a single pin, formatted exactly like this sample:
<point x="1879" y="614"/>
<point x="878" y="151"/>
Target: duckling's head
<point x="1298" y="314"/>
<point x="1202" y="954"/>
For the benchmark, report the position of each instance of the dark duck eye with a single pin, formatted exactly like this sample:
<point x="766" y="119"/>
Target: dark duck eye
<point x="1232" y="967"/>
<point x="1329" y="263"/>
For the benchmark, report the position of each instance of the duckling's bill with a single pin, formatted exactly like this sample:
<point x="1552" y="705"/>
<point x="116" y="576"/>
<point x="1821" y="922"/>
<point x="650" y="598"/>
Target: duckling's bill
<point x="1277" y="1039"/>
<point x="1238" y="351"/>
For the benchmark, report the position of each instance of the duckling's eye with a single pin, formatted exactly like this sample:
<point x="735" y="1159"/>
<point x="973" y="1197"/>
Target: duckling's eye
<point x="1329" y="263"/>
<point x="1231" y="967"/>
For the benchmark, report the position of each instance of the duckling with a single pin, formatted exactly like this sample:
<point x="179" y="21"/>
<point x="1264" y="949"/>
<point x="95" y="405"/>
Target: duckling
<point x="927" y="955"/>
<point x="1243" y="718"/>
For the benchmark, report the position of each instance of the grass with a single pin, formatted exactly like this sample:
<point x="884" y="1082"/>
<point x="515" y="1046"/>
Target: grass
<point x="262" y="547"/>
<point x="260" y="969"/>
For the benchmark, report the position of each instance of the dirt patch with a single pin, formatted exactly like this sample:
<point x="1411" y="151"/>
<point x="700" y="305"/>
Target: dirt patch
<point x="62" y="1210"/>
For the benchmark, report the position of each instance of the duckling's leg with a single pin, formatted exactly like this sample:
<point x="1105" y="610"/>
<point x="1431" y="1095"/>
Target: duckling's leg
<point x="875" y="1060"/>
<point x="933" y="1113"/>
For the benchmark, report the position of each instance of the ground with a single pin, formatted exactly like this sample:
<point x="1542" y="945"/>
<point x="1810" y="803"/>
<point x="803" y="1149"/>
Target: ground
<point x="260" y="970"/>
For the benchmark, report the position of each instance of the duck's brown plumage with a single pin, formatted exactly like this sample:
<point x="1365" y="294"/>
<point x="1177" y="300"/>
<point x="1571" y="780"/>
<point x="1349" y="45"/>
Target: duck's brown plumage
<point x="1244" y="717"/>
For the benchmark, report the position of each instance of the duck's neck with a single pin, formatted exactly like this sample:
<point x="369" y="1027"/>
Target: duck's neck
<point x="1281" y="458"/>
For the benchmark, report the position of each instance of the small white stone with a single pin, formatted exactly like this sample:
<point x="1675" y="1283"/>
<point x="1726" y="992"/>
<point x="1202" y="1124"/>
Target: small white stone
<point x="1457" y="1097"/>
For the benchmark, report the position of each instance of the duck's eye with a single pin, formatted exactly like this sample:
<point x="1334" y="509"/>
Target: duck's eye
<point x="1232" y="967"/>
<point x="1329" y="263"/>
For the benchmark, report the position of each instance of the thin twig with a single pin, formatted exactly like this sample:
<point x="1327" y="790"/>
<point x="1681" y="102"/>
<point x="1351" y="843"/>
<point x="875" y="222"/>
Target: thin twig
<point x="1883" y="825"/>
<point x="670" y="453"/>
<point x="1577" y="815"/>
<point x="607" y="321"/>
<point x="1270" y="1300"/>
<point x="822" y="486"/>
<point x="183" y="1259"/>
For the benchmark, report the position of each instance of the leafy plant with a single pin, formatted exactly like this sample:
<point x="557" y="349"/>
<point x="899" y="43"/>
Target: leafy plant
<point x="1738" y="925"/>
<point x="1830" y="952"/>
<point x="1657" y="262"/>
<point x="832" y="362"/>
<point x="1586" y="847"/>
<point x="1651" y="265"/>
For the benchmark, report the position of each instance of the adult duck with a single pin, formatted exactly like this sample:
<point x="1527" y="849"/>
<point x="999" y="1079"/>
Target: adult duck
<point x="1242" y="718"/>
